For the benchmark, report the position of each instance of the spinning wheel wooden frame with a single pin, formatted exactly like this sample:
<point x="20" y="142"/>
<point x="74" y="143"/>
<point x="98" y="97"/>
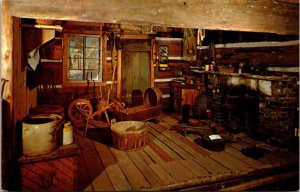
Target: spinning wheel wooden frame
<point x="80" y="111"/>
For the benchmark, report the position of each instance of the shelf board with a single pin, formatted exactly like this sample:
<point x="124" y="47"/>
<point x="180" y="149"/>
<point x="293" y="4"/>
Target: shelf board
<point x="51" y="60"/>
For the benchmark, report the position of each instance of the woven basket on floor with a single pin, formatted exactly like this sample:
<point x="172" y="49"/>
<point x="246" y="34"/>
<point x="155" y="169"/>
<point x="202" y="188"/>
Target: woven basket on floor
<point x="129" y="135"/>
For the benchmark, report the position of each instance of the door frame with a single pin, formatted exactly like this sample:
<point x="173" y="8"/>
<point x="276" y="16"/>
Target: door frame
<point x="152" y="57"/>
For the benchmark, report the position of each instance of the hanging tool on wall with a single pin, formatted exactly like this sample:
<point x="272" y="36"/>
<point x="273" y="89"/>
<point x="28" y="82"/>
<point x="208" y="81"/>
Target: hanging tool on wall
<point x="211" y="52"/>
<point x="189" y="45"/>
<point x="200" y="39"/>
<point x="114" y="57"/>
<point x="155" y="55"/>
<point x="200" y="36"/>
<point x="3" y="80"/>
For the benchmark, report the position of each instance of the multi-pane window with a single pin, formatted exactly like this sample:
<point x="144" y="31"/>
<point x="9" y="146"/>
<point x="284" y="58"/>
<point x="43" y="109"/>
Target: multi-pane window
<point x="84" y="58"/>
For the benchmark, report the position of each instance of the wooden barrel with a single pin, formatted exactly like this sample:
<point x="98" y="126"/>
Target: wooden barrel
<point x="129" y="135"/>
<point x="152" y="96"/>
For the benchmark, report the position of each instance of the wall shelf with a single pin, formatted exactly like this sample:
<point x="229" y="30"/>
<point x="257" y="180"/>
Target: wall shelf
<point x="51" y="61"/>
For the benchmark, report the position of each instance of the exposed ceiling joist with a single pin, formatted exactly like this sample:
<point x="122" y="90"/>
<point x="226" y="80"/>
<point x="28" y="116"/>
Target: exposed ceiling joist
<point x="271" y="16"/>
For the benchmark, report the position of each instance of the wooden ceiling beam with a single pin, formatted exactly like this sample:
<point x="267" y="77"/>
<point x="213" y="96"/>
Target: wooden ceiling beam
<point x="270" y="16"/>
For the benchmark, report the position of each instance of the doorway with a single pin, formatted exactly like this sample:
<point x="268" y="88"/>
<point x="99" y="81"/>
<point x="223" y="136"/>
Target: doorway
<point x="136" y="57"/>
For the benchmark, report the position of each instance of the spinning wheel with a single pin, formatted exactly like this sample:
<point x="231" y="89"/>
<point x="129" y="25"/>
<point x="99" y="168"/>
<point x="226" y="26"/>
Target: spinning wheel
<point x="79" y="109"/>
<point x="81" y="112"/>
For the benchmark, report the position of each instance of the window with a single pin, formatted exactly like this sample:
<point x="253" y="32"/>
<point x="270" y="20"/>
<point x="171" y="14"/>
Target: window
<point x="84" y="58"/>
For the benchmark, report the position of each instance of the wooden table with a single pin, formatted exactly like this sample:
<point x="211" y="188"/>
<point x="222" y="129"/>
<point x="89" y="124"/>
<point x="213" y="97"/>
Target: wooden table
<point x="182" y="93"/>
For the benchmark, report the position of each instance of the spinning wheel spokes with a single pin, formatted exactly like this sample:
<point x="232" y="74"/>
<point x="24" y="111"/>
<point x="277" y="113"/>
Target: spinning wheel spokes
<point x="79" y="109"/>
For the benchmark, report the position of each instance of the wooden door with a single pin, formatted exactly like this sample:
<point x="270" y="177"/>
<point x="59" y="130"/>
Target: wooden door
<point x="135" y="66"/>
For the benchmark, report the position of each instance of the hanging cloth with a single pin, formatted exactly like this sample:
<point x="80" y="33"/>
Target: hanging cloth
<point x="34" y="58"/>
<point x="34" y="70"/>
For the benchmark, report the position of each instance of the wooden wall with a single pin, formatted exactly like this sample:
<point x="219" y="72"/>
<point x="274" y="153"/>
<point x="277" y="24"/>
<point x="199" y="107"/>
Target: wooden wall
<point x="281" y="56"/>
<point x="225" y="55"/>
<point x="25" y="40"/>
<point x="272" y="53"/>
<point x="17" y="99"/>
<point x="283" y="18"/>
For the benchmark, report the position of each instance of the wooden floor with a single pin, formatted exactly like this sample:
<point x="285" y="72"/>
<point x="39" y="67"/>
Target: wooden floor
<point x="171" y="161"/>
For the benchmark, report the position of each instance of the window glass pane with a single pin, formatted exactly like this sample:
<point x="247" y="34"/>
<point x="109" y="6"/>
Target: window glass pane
<point x="91" y="63"/>
<point x="92" y="74"/>
<point x="75" y="63"/>
<point x="75" y="41"/>
<point x="92" y="42"/>
<point x="84" y="58"/>
<point x="92" y="53"/>
<point x="75" y="52"/>
<point x="75" y="75"/>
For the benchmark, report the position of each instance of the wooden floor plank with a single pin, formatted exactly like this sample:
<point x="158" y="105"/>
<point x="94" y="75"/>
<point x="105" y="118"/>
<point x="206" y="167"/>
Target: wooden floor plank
<point x="230" y="162"/>
<point x="90" y="156"/>
<point x="164" y="146"/>
<point x="117" y="178"/>
<point x="145" y="157"/>
<point x="89" y="188"/>
<point x="160" y="151"/>
<point x="82" y="173"/>
<point x="192" y="137"/>
<point x="105" y="155"/>
<point x="195" y="167"/>
<point x="148" y="173"/>
<point x="191" y="148"/>
<point x="134" y="176"/>
<point x="172" y="145"/>
<point x="168" y="119"/>
<point x="162" y="174"/>
<point x="114" y="172"/>
<point x="152" y="154"/>
<point x="239" y="146"/>
<point x="275" y="159"/>
<point x="177" y="170"/>
<point x="211" y="165"/>
<point x="252" y="162"/>
<point x="169" y="161"/>
<point x="102" y="182"/>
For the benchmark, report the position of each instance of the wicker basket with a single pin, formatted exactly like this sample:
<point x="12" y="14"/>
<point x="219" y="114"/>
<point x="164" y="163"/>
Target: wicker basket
<point x="129" y="135"/>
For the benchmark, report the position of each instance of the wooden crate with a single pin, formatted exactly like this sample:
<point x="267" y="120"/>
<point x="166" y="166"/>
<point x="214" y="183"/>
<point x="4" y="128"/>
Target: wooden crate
<point x="53" y="172"/>
<point x="138" y="113"/>
<point x="149" y="110"/>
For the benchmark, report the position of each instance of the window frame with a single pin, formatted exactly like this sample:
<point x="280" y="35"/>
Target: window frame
<point x="79" y="83"/>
